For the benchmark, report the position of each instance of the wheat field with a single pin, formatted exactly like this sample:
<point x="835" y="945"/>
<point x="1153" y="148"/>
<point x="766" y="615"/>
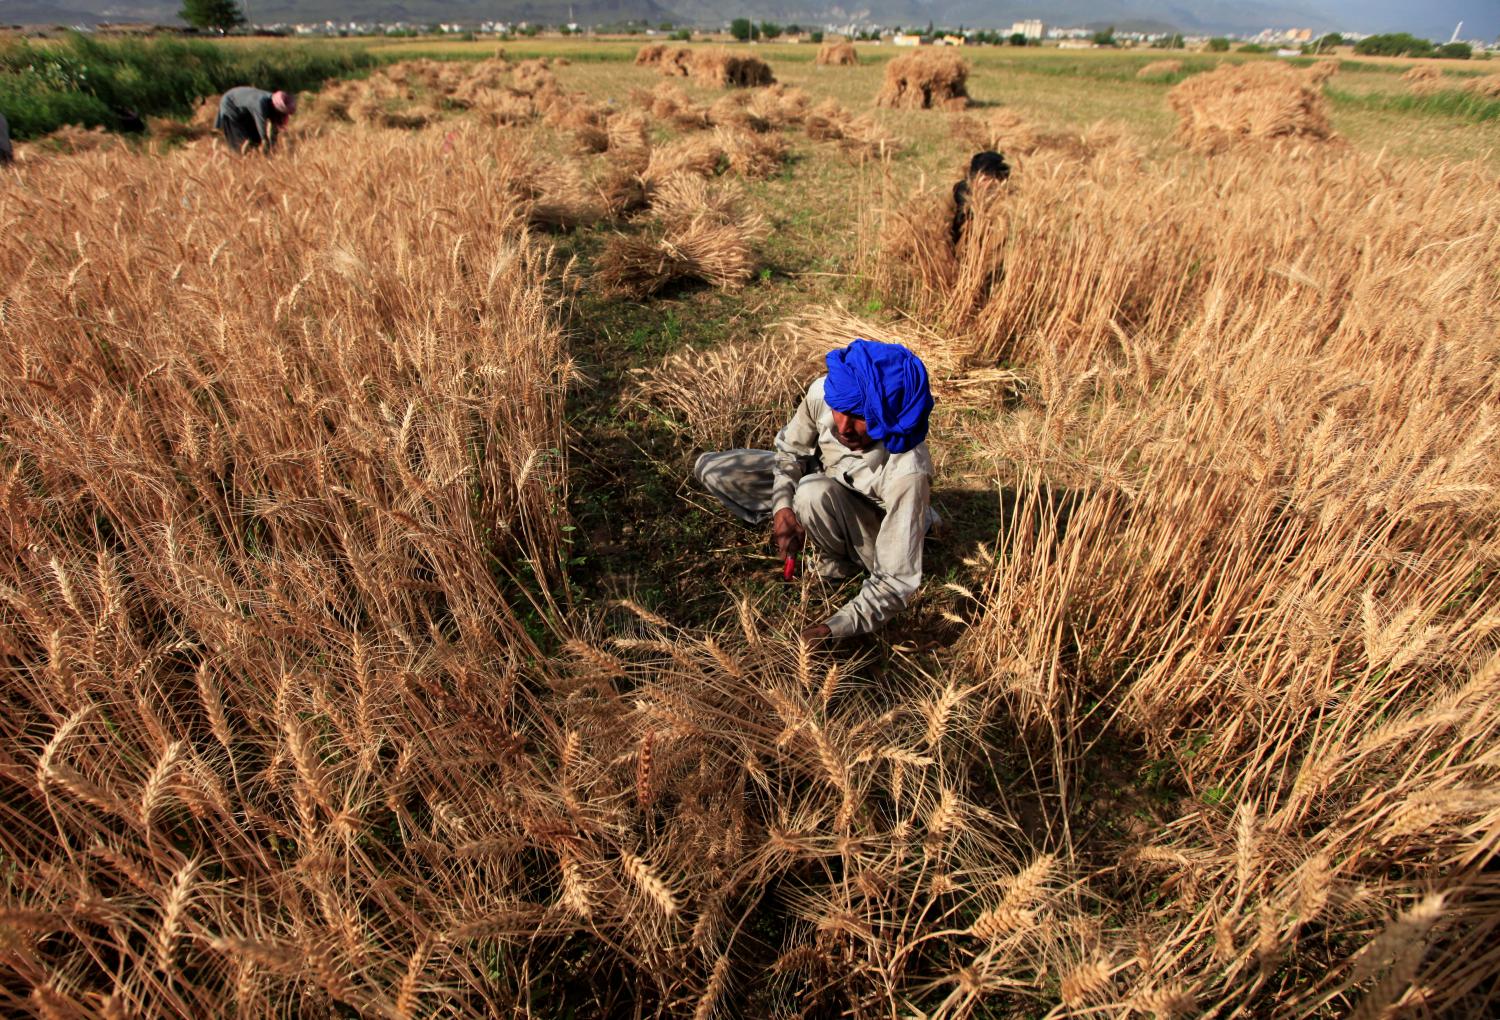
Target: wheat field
<point x="319" y="702"/>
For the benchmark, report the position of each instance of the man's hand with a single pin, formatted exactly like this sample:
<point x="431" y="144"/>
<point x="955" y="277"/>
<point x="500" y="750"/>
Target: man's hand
<point x="787" y="533"/>
<point x="816" y="634"/>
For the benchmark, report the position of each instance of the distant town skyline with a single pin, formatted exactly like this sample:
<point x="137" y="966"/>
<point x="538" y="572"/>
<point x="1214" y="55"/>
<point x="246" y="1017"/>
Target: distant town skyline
<point x="1432" y="19"/>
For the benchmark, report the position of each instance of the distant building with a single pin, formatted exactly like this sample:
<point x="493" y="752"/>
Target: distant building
<point x="952" y="40"/>
<point x="1032" y="28"/>
<point x="907" y="39"/>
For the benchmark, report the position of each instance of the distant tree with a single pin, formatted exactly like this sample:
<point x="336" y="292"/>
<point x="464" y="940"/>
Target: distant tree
<point x="1218" y="44"/>
<point x="742" y="29"/>
<point x="1105" y="38"/>
<point x="1018" y="39"/>
<point x="1393" y="44"/>
<point x="682" y="35"/>
<point x="665" y="26"/>
<point x="769" y="29"/>
<point x="1171" y="42"/>
<point x="1455" y="51"/>
<point x="1251" y="47"/>
<point x="794" y="30"/>
<point x="1328" y="42"/>
<point x="216" y="15"/>
<point x="531" y="31"/>
<point x="815" y="36"/>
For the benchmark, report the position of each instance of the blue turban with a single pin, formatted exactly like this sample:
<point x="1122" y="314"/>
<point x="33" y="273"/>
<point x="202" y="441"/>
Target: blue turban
<point x="886" y="385"/>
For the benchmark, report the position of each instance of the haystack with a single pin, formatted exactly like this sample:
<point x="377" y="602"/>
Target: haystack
<point x="924" y="80"/>
<point x="1487" y="87"/>
<point x="1423" y="79"/>
<point x="166" y="129"/>
<point x="675" y="63"/>
<point x="534" y="76"/>
<point x="74" y="139"/>
<point x="1248" y="103"/>
<point x="701" y="155"/>
<point x="1160" y="69"/>
<point x="840" y="53"/>
<point x="721" y="68"/>
<point x="1004" y="130"/>
<point x="650" y="54"/>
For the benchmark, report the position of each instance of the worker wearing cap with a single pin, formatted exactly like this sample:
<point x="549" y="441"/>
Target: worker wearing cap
<point x="850" y="475"/>
<point x="250" y="117"/>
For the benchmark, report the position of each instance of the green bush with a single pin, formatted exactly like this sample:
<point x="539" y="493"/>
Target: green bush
<point x="1455" y="51"/>
<point x="1218" y="44"/>
<point x="86" y="80"/>
<point x="1393" y="44"/>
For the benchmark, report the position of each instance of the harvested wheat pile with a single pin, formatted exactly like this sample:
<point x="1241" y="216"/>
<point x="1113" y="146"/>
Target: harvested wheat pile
<point x="1423" y="79"/>
<point x="1004" y="130"/>
<point x="735" y="394"/>
<point x="779" y="105"/>
<point x="534" y="76"/>
<point x="505" y="108"/>
<point x="668" y="102"/>
<point x="166" y="129"/>
<point x="700" y="154"/>
<point x="858" y="137"/>
<point x="925" y="80"/>
<point x="1160" y="69"/>
<point x="722" y="68"/>
<point x="650" y="54"/>
<point x="675" y="62"/>
<point x="1322" y="70"/>
<point x="1487" y="87"/>
<point x="1242" y="103"/>
<point x="70" y="138"/>
<point x="840" y="53"/>
<point x="733" y="111"/>
<point x="408" y="119"/>
<point x="752" y="154"/>
<point x="700" y="238"/>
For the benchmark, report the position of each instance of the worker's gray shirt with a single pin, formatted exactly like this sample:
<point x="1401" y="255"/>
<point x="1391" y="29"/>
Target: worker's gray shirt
<point x="248" y="107"/>
<point x="899" y="483"/>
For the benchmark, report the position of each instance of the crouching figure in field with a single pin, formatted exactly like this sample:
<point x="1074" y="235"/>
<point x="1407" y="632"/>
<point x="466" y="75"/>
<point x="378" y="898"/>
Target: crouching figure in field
<point x="850" y="476"/>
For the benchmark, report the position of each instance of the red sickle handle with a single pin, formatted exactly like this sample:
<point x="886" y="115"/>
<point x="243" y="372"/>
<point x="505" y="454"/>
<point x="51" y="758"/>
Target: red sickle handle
<point x="789" y="568"/>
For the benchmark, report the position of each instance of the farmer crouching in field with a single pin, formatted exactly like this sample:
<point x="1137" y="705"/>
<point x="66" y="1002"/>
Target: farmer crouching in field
<point x="250" y="117"/>
<point x="851" y="475"/>
<point x="987" y="165"/>
<point x="6" y="152"/>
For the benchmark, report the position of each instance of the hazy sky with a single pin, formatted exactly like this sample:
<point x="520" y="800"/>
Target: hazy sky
<point x="1432" y="18"/>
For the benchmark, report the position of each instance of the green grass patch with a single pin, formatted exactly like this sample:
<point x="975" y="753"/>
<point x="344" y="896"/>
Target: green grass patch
<point x="88" y="81"/>
<point x="1455" y="103"/>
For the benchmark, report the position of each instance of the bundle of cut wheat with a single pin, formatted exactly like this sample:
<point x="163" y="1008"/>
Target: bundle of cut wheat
<point x="697" y="154"/>
<point x="858" y="137"/>
<point x="1004" y="130"/>
<point x="1160" y="69"/>
<point x="733" y="111"/>
<point x="925" y="79"/>
<point x="533" y="76"/>
<point x="1487" y="87"/>
<point x="168" y="129"/>
<point x="836" y="53"/>
<point x="721" y="68"/>
<point x="650" y="54"/>
<point x="408" y="119"/>
<point x="700" y="236"/>
<point x="71" y="138"/>
<point x="1322" y="70"/>
<point x="779" y="105"/>
<point x="668" y="102"/>
<point x="1423" y="78"/>
<point x="752" y="154"/>
<point x="1248" y="103"/>
<point x="675" y="62"/>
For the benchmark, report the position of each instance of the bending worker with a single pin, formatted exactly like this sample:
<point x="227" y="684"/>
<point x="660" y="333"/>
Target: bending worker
<point x="6" y="153"/>
<point x="250" y="117"/>
<point x="850" y="475"/>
